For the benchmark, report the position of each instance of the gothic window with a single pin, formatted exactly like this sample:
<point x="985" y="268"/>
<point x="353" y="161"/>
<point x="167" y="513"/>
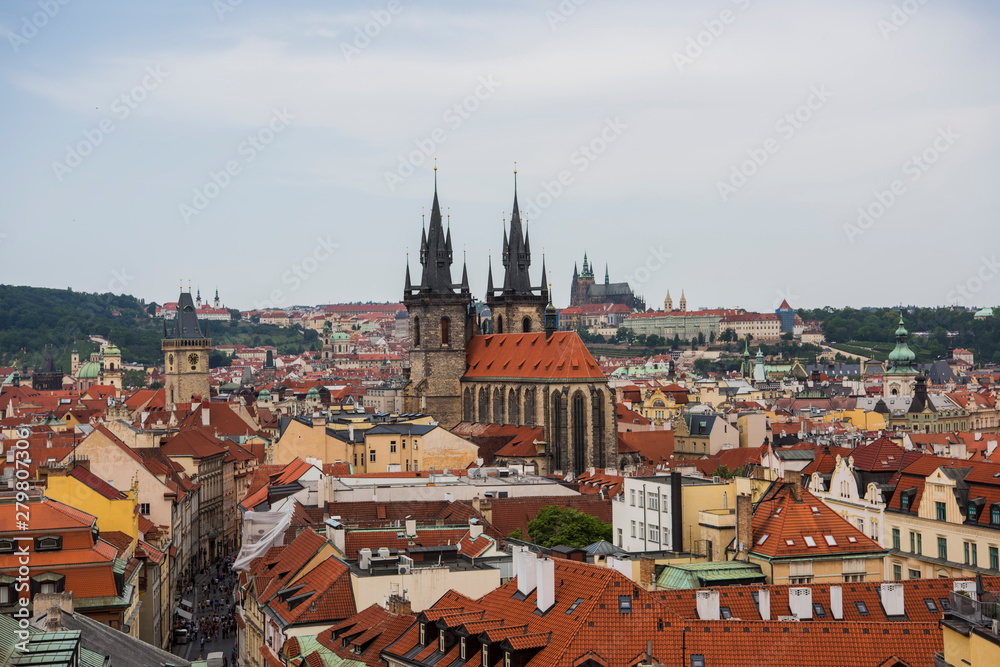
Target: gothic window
<point x="499" y="324"/>
<point x="444" y="331"/>
<point x="529" y="407"/>
<point x="579" y="435"/>
<point x="484" y="406"/>
<point x="597" y="419"/>
<point x="497" y="407"/>
<point x="467" y="405"/>
<point x="512" y="408"/>
<point x="416" y="331"/>
<point x="526" y="325"/>
<point x="557" y="430"/>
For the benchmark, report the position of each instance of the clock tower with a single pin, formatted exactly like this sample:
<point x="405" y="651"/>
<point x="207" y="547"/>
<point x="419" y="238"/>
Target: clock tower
<point x="185" y="355"/>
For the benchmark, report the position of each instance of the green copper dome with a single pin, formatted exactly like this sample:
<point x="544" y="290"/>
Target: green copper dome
<point x="902" y="357"/>
<point x="264" y="395"/>
<point x="112" y="351"/>
<point x="312" y="393"/>
<point x="90" y="370"/>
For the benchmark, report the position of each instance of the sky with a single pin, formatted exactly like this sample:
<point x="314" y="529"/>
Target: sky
<point x="742" y="151"/>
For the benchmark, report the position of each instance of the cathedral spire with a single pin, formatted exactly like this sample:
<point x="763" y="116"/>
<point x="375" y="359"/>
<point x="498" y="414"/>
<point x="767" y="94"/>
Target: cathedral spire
<point x="517" y="253"/>
<point x="489" y="278"/>
<point x="465" y="274"/>
<point x="407" y="287"/>
<point x="607" y="280"/>
<point x="436" y="251"/>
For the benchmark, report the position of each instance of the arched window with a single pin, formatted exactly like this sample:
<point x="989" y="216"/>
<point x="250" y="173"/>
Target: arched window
<point x="597" y="420"/>
<point x="468" y="407"/>
<point x="557" y="429"/>
<point x="484" y="406"/>
<point x="445" y="334"/>
<point x="529" y="407"/>
<point x="416" y="331"/>
<point x="497" y="407"/>
<point x="579" y="435"/>
<point x="499" y="324"/>
<point x="512" y="407"/>
<point x="526" y="325"/>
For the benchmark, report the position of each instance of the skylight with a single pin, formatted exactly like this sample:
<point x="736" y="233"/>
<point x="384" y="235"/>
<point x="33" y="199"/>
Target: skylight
<point x="573" y="606"/>
<point x="790" y="543"/>
<point x="851" y="539"/>
<point x="762" y="539"/>
<point x="810" y="542"/>
<point x="815" y="510"/>
<point x="830" y="541"/>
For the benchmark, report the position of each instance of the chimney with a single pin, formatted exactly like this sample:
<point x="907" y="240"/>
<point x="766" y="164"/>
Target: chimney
<point x="350" y="432"/>
<point x="764" y="603"/>
<point x="837" y="603"/>
<point x="411" y="527"/>
<point x="206" y="416"/>
<point x="708" y="605"/>
<point x="475" y="528"/>
<point x="744" y="524"/>
<point x="397" y="604"/>
<point x="516" y="561"/>
<point x="892" y="599"/>
<point x="800" y="600"/>
<point x="476" y="503"/>
<point x="794" y="481"/>
<point x="546" y="575"/>
<point x="527" y="573"/>
<point x="53" y="619"/>
<point x="647" y="573"/>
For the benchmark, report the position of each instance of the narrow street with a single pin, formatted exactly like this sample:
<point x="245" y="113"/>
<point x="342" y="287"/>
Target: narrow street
<point x="212" y="601"/>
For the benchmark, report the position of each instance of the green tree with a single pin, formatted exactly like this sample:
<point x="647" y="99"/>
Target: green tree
<point x="134" y="379"/>
<point x="556" y="525"/>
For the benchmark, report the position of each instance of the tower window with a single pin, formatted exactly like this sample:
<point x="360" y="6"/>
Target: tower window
<point x="416" y="331"/>
<point x="526" y="325"/>
<point x="445" y="335"/>
<point x="499" y="324"/>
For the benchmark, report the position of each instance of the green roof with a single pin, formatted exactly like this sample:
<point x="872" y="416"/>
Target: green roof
<point x="985" y="312"/>
<point x="89" y="371"/>
<point x="696" y="575"/>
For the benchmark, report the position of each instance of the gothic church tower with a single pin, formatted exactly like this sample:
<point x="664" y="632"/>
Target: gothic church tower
<point x="516" y="308"/>
<point x="442" y="321"/>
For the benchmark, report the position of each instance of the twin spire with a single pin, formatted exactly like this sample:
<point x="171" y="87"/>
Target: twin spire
<point x="436" y="256"/>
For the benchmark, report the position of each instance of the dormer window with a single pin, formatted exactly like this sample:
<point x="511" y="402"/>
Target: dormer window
<point x="6" y="545"/>
<point x="48" y="543"/>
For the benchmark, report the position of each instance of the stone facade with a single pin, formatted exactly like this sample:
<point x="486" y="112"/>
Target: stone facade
<point x="185" y="355"/>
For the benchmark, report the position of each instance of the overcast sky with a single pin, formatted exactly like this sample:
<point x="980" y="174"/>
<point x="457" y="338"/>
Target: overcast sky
<point x="723" y="148"/>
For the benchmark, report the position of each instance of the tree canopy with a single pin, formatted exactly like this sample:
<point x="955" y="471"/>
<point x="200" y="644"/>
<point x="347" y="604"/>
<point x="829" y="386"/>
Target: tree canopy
<point x="555" y="526"/>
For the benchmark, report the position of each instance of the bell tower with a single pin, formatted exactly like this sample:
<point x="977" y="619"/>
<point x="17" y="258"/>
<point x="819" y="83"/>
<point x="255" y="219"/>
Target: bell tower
<point x="185" y="355"/>
<point x="442" y="321"/>
<point x="516" y="308"/>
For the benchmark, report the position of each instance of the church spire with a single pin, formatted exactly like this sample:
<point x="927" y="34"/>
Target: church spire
<point x="436" y="252"/>
<point x="517" y="253"/>
<point x="465" y="274"/>
<point x="607" y="280"/>
<point x="489" y="278"/>
<point x="407" y="287"/>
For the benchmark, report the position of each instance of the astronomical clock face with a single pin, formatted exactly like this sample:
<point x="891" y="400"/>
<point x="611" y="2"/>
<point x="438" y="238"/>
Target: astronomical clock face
<point x="170" y="359"/>
<point x="193" y="360"/>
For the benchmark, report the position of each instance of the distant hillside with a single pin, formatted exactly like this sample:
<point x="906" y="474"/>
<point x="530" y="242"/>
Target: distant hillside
<point x="33" y="317"/>
<point x="933" y="331"/>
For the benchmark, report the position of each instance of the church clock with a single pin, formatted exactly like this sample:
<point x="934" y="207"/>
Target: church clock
<point x="193" y="360"/>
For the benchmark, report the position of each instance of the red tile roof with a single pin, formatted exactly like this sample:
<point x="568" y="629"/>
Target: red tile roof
<point x="785" y="527"/>
<point x="562" y="356"/>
